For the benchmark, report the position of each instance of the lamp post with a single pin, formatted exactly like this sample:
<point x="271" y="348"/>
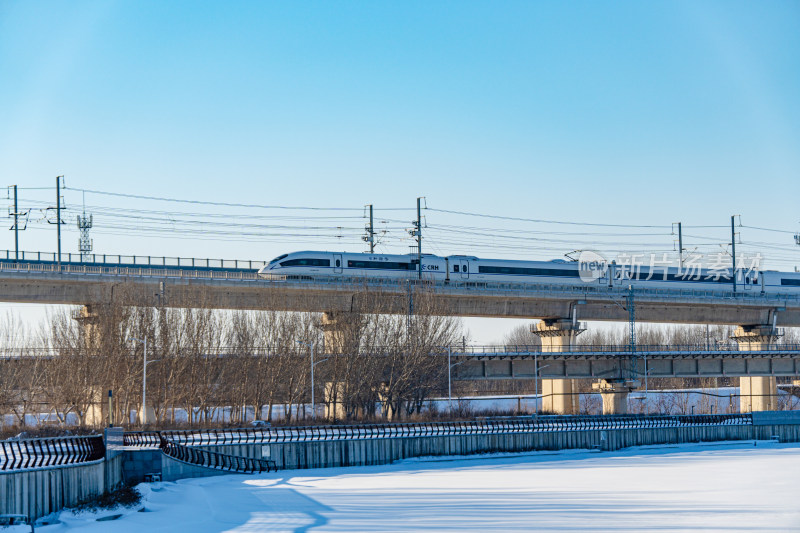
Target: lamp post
<point x="536" y="370"/>
<point x="144" y="379"/>
<point x="449" y="386"/>
<point x="449" y="380"/>
<point x="313" y="404"/>
<point x="536" y="383"/>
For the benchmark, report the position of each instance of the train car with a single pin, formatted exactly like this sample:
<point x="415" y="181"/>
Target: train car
<point x="463" y="268"/>
<point x="781" y="282"/>
<point x="684" y="279"/>
<point x="312" y="264"/>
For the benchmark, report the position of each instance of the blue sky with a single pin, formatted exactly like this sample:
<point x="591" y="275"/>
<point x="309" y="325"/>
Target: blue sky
<point x="622" y="113"/>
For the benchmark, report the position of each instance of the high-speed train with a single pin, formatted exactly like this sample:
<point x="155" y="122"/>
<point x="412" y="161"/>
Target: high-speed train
<point x="462" y="268"/>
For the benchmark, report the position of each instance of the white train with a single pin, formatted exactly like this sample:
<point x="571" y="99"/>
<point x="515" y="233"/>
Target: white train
<point x="462" y="268"/>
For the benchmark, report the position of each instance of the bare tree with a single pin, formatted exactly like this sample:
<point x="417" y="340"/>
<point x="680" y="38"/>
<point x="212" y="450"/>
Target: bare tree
<point x="522" y="336"/>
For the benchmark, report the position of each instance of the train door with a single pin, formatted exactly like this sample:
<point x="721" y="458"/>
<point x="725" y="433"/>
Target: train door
<point x="464" y="269"/>
<point x="750" y="279"/>
<point x="337" y="263"/>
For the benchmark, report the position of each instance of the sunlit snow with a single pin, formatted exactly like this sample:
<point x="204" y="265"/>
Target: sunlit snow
<point x="708" y="487"/>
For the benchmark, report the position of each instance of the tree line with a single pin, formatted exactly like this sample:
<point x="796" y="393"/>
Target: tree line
<point x="370" y="361"/>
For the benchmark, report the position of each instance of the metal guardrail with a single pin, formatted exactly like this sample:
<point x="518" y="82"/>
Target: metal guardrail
<point x="152" y="439"/>
<point x="219" y="461"/>
<point x="129" y="260"/>
<point x="18" y="454"/>
<point x="126" y="271"/>
<point x="617" y="348"/>
<point x="453" y="287"/>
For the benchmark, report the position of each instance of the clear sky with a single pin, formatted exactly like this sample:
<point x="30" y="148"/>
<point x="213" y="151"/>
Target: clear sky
<point x="630" y="113"/>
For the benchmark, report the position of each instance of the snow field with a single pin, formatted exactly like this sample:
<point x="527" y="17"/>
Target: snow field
<point x="709" y="487"/>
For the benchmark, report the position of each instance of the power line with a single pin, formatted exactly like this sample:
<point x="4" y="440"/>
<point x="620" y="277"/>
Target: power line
<point x="543" y="221"/>
<point x="228" y="204"/>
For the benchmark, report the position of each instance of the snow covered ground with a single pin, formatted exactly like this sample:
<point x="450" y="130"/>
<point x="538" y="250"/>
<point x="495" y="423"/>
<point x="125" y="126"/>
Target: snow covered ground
<point x="708" y="487"/>
<point x="674" y="402"/>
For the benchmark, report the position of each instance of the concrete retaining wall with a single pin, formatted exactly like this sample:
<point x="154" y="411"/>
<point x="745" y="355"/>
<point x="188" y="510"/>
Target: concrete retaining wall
<point x="326" y="454"/>
<point x="173" y="470"/>
<point x="139" y="462"/>
<point x="39" y="492"/>
<point x="375" y="452"/>
<point x="35" y="493"/>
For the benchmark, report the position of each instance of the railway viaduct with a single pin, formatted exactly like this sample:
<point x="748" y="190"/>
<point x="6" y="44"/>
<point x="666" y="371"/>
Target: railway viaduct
<point x="561" y="310"/>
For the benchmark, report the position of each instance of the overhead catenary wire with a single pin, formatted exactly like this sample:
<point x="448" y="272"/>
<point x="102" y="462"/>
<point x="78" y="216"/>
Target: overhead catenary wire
<point x="338" y="227"/>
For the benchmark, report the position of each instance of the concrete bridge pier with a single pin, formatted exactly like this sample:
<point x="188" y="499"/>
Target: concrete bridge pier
<point x="757" y="393"/>
<point x="88" y="316"/>
<point x="333" y="395"/>
<point x="339" y="330"/>
<point x="559" y="396"/>
<point x="614" y="393"/>
<point x="333" y="326"/>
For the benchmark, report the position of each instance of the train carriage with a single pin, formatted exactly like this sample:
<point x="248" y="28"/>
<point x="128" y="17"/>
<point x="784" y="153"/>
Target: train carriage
<point x="463" y="268"/>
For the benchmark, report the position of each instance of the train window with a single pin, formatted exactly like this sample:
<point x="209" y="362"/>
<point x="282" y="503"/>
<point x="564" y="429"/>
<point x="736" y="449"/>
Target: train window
<point x="465" y="268"/>
<point x="307" y="262"/>
<point x="338" y="263"/>
<point x="455" y="268"/>
<point x="383" y="265"/>
<point x="278" y="258"/>
<point x="528" y="271"/>
<point x="792" y="282"/>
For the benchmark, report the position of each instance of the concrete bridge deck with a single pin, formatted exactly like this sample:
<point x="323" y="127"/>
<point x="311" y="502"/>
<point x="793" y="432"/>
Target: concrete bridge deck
<point x="78" y="284"/>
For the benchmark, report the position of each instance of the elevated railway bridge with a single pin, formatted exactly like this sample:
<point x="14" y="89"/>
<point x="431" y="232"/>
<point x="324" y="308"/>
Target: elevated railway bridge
<point x="89" y="281"/>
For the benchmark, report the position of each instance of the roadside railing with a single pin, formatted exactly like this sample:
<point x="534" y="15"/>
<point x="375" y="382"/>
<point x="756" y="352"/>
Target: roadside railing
<point x="132" y="271"/>
<point x="18" y="454"/>
<point x="212" y="437"/>
<point x="129" y="260"/>
<point x="220" y="461"/>
<point x="712" y="347"/>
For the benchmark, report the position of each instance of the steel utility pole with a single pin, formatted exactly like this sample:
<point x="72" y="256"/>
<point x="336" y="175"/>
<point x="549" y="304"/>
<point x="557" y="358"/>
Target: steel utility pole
<point x="536" y="383"/>
<point x="370" y="236"/>
<point x="733" y="253"/>
<point x="16" y="226"/>
<point x="449" y="387"/>
<point x="632" y="333"/>
<point x="84" y="225"/>
<point x="419" y="238"/>
<point x="680" y="245"/>
<point x="58" y="217"/>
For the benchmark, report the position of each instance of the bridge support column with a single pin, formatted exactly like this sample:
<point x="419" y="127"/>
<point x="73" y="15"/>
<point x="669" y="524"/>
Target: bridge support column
<point x="388" y="409"/>
<point x="332" y="332"/>
<point x="340" y="333"/>
<point x="333" y="395"/>
<point x="757" y="393"/>
<point x="559" y="396"/>
<point x="614" y="393"/>
<point x="88" y="316"/>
